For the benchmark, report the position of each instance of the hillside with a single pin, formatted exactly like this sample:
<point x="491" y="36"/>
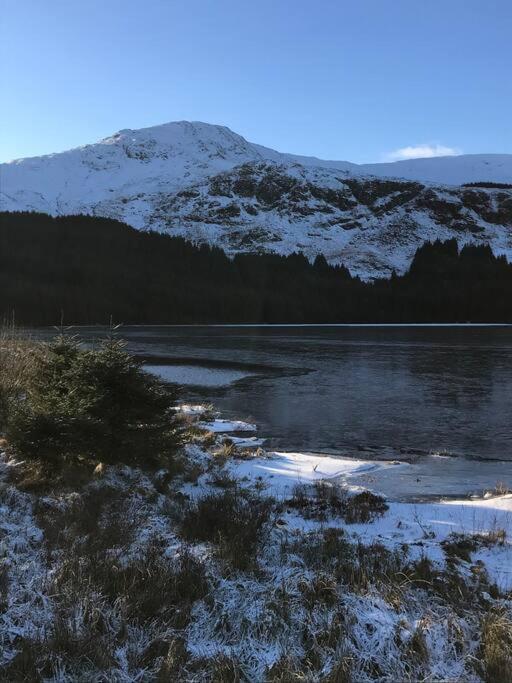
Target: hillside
<point x="212" y="186"/>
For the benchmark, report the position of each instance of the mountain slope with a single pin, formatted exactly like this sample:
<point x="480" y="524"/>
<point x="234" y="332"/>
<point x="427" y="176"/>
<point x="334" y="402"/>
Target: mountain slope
<point x="452" y="170"/>
<point x="371" y="225"/>
<point x="211" y="185"/>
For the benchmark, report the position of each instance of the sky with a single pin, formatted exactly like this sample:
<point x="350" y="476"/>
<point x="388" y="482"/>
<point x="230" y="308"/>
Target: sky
<point x="363" y="81"/>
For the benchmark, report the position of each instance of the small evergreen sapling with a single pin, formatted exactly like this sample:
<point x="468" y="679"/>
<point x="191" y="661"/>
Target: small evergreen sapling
<point x="94" y="404"/>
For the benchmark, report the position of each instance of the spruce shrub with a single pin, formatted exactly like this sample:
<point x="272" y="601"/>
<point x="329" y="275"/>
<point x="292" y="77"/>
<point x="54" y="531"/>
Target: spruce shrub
<point x="92" y="404"/>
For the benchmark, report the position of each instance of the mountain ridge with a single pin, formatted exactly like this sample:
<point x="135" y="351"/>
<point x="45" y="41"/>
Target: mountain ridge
<point x="501" y="172"/>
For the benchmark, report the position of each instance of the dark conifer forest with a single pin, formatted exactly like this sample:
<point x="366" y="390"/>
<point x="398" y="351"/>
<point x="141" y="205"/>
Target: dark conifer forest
<point x="88" y="269"/>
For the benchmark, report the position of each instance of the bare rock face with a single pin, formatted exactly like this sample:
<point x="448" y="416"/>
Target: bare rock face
<point x="212" y="186"/>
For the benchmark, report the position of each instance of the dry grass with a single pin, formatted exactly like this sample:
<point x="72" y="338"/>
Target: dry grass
<point x="152" y="587"/>
<point x="496" y="647"/>
<point x="416" y="651"/>
<point x="222" y="479"/>
<point x="104" y="587"/>
<point x="501" y="489"/>
<point x="331" y="501"/>
<point x="321" y="589"/>
<point x="96" y="519"/>
<point x="354" y="565"/>
<point x="19" y="355"/>
<point x="225" y="451"/>
<point x="286" y="670"/>
<point x="197" y="435"/>
<point x="4" y="585"/>
<point x="39" y="476"/>
<point x="175" y="656"/>
<point x="90" y="539"/>
<point x="340" y="672"/>
<point x="225" y="670"/>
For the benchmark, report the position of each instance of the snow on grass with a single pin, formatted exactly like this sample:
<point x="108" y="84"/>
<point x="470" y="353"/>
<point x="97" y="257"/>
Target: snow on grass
<point x="284" y="610"/>
<point x="192" y="409"/>
<point x="422" y="526"/>
<point x="26" y="610"/>
<point x="247" y="442"/>
<point x="225" y="426"/>
<point x="288" y="608"/>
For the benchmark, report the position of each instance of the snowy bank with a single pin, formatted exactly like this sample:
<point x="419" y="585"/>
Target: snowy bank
<point x="281" y="471"/>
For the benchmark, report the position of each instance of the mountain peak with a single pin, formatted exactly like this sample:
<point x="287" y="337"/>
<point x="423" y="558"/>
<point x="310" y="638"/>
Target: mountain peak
<point x="195" y="139"/>
<point x="176" y="131"/>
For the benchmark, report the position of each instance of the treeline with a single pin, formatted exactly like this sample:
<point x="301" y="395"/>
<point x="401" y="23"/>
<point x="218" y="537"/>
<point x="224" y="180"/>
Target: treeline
<point x="90" y="269"/>
<point x="489" y="184"/>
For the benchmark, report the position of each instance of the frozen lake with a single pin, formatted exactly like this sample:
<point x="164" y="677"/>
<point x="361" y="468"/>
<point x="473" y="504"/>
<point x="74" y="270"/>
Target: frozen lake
<point x="433" y="389"/>
<point x="379" y="392"/>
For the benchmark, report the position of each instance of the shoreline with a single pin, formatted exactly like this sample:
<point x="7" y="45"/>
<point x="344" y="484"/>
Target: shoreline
<point x="274" y="325"/>
<point x="425" y="526"/>
<point x="399" y="480"/>
<point x="401" y="477"/>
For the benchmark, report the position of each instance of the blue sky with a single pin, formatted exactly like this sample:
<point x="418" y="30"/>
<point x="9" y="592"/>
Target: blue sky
<point x="354" y="80"/>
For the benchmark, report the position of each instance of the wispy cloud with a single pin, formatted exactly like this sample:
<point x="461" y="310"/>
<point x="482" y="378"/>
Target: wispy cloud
<point x="425" y="151"/>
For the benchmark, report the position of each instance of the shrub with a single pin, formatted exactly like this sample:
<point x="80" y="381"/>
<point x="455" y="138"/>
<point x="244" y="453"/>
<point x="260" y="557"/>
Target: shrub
<point x="364" y="507"/>
<point x="462" y="545"/>
<point x="95" y="403"/>
<point x="234" y="520"/>
<point x="331" y="500"/>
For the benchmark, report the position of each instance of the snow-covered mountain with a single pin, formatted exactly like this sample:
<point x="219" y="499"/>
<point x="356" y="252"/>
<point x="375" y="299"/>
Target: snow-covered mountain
<point x="451" y="170"/>
<point x="209" y="184"/>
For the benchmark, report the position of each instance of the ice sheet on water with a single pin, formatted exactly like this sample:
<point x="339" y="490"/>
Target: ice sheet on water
<point x="196" y="375"/>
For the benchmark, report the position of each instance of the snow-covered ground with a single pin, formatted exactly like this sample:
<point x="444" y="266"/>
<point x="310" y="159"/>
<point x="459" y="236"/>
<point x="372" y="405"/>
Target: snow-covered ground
<point x="281" y="471"/>
<point x="423" y="526"/>
<point x="22" y="562"/>
<point x="287" y="612"/>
